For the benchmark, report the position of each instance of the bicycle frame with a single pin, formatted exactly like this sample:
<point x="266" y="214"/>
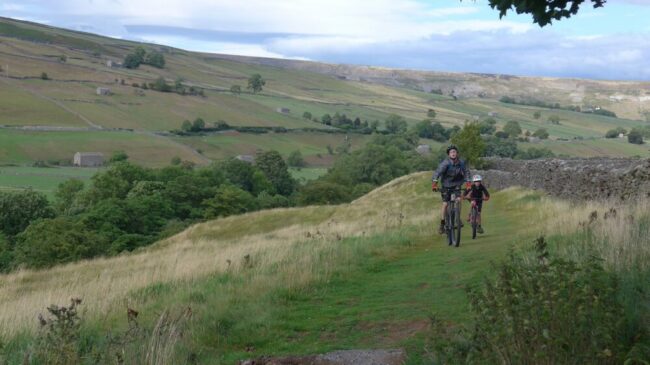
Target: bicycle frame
<point x="453" y="219"/>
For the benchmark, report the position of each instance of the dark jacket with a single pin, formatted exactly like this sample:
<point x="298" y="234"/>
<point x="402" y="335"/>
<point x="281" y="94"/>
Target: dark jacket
<point x="477" y="192"/>
<point x="452" y="174"/>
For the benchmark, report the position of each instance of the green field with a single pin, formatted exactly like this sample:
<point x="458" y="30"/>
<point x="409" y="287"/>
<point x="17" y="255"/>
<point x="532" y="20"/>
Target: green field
<point x="306" y="174"/>
<point x="25" y="147"/>
<point x="44" y="180"/>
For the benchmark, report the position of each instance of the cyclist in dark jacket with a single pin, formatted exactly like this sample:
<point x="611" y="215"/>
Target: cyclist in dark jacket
<point x="453" y="172"/>
<point x="477" y="193"/>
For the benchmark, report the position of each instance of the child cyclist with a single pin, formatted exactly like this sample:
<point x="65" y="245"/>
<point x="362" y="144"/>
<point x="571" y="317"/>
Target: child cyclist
<point x="477" y="193"/>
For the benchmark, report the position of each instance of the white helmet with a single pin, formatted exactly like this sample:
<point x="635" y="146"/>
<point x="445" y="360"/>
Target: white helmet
<point x="476" y="178"/>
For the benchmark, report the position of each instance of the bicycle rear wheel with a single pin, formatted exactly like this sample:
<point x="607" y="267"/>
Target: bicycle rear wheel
<point x="474" y="220"/>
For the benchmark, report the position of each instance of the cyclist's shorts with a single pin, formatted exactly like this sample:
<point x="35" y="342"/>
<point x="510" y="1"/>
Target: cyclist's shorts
<point x="446" y="193"/>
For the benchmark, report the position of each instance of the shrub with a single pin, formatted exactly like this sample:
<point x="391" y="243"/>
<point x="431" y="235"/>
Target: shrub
<point x="635" y="137"/>
<point x="58" y="240"/>
<point x="59" y="334"/>
<point x="541" y="133"/>
<point x="295" y="159"/>
<point x="544" y="310"/>
<point x="322" y="192"/>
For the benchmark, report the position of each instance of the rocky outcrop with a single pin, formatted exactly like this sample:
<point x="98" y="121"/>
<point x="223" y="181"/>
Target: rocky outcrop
<point x="577" y="178"/>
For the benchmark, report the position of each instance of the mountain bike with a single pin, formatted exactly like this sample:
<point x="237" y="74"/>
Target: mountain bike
<point x="453" y="220"/>
<point x="474" y="215"/>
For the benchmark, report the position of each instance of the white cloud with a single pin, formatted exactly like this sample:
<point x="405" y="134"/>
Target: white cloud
<point x="406" y="33"/>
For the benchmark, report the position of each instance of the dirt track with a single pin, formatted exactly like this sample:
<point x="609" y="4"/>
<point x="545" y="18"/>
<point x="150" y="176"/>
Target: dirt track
<point x="349" y="357"/>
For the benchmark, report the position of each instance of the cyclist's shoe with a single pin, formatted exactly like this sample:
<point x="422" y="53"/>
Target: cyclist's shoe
<point x="479" y="229"/>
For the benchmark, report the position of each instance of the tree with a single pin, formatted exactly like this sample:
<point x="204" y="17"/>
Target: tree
<point x="228" y="200"/>
<point x="429" y="129"/>
<point x="256" y="83"/>
<point x="295" y="159"/>
<point x="44" y="76"/>
<point x="500" y="147"/>
<point x="117" y="181"/>
<point x="537" y="114"/>
<point x="198" y="125"/>
<point x="431" y="114"/>
<point x="543" y="11"/>
<point x="395" y="124"/>
<point x="18" y="209"/>
<point x="612" y="133"/>
<point x="118" y="156"/>
<point x="488" y="126"/>
<point x="6" y="254"/>
<point x="326" y="119"/>
<point x="470" y="144"/>
<point x="66" y="193"/>
<point x="235" y="89"/>
<point x="134" y="59"/>
<point x="239" y="173"/>
<point x="131" y="61"/>
<point x="541" y="133"/>
<point x="322" y="192"/>
<point x="140" y="53"/>
<point x="155" y="59"/>
<point x="635" y="137"/>
<point x="554" y="119"/>
<point x="58" y="240"/>
<point x="161" y="85"/>
<point x="512" y="128"/>
<point x="186" y="126"/>
<point x="306" y="115"/>
<point x="273" y="166"/>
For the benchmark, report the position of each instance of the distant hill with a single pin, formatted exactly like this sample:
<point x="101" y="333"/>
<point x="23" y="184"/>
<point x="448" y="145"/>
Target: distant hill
<point x="49" y="91"/>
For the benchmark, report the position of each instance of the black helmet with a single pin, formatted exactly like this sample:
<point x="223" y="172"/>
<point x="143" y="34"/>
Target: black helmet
<point x="452" y="147"/>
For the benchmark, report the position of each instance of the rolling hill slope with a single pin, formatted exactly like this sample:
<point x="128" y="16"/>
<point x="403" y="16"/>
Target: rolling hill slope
<point x="76" y="65"/>
<point x="368" y="274"/>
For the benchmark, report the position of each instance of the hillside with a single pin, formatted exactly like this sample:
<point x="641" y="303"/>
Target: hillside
<point x="66" y="111"/>
<point x="368" y="274"/>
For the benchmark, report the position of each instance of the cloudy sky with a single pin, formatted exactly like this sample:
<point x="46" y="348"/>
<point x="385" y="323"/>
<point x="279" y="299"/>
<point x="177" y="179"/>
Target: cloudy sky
<point x="443" y="35"/>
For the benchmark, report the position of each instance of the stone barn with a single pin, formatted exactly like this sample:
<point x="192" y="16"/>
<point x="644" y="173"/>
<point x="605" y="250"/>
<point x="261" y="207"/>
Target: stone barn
<point x="246" y="158"/>
<point x="283" y="110"/>
<point x="88" y="159"/>
<point x="103" y="91"/>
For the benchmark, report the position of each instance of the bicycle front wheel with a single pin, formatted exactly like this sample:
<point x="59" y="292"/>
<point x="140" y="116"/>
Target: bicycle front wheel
<point x="458" y="225"/>
<point x="449" y="228"/>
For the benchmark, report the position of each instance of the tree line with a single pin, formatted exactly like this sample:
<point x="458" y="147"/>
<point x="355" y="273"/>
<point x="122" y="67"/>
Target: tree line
<point x="543" y="104"/>
<point x="128" y="206"/>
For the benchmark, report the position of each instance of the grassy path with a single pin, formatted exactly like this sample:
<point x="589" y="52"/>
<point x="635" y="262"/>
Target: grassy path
<point x="387" y="301"/>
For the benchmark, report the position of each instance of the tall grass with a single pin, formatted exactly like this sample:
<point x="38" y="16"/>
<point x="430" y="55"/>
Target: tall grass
<point x="298" y="245"/>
